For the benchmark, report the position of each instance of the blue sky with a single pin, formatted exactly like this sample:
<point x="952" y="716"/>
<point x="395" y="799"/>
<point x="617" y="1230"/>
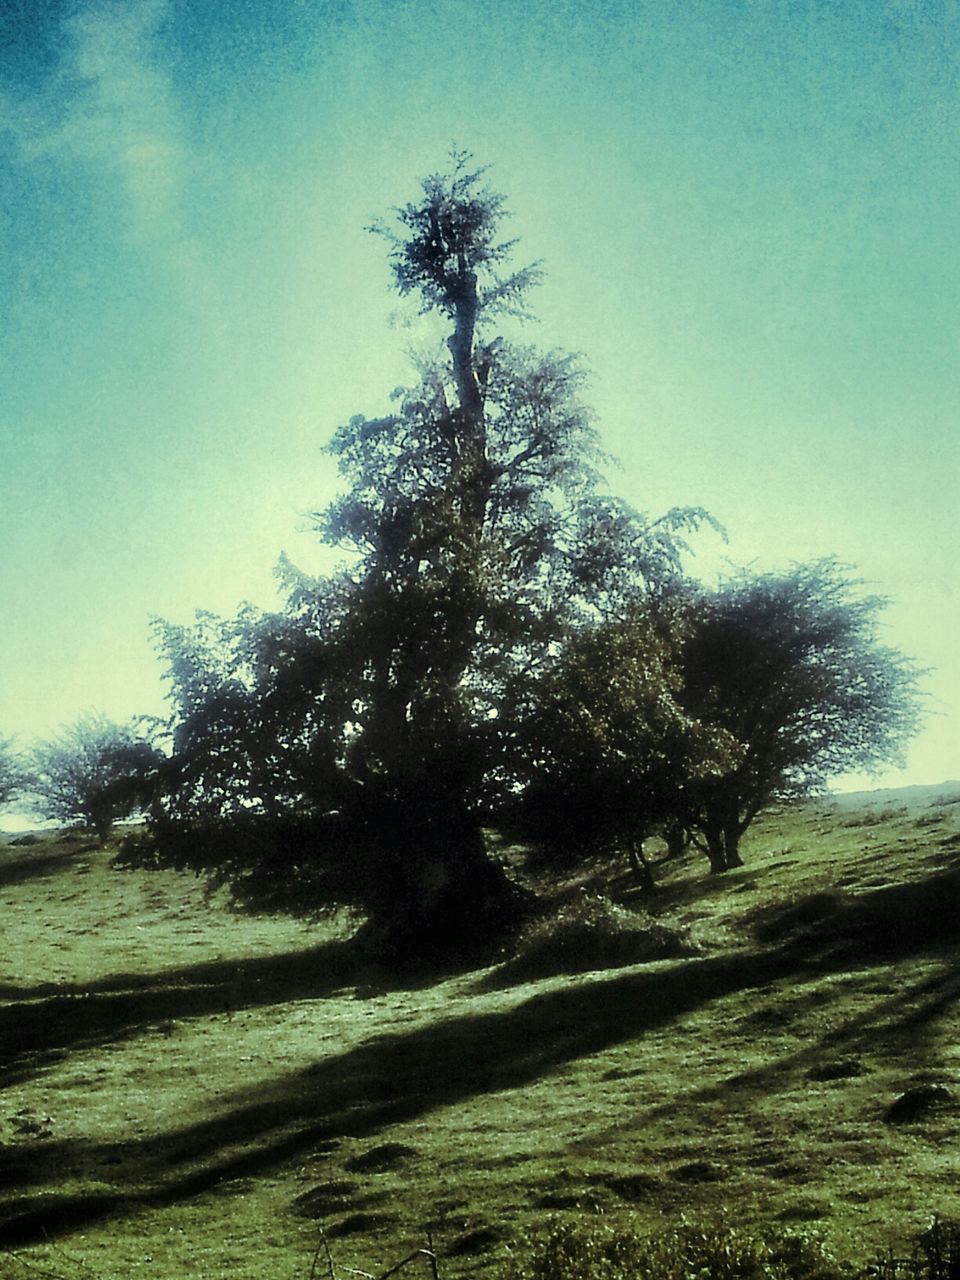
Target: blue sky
<point x="749" y="217"/>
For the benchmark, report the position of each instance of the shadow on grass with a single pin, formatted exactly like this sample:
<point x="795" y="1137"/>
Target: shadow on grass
<point x="384" y="1081"/>
<point x="891" y="920"/>
<point x="893" y="1026"/>
<point x="399" y="1077"/>
<point x="693" y="887"/>
<point x="35" y="865"/>
<point x="45" y="1023"/>
<point x="830" y="933"/>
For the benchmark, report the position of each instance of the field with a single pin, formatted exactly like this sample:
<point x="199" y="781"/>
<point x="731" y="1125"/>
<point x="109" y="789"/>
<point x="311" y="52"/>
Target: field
<point x="188" y="1092"/>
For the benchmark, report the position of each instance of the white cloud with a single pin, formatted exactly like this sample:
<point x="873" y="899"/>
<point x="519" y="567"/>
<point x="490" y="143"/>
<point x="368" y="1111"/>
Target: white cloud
<point x="111" y="104"/>
<point x="111" y="107"/>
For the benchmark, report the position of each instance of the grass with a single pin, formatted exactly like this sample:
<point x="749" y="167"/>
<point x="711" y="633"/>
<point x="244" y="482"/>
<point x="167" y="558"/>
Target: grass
<point x="190" y="1093"/>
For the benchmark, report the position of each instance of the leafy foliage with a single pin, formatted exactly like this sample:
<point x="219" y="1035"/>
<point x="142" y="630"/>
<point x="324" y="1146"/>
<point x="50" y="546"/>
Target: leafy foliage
<point x="451" y="235"/>
<point x="378" y="709"/>
<point x="607" y="751"/>
<point x="790" y="667"/>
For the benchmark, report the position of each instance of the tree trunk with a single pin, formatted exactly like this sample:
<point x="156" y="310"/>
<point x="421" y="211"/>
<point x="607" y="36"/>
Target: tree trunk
<point x="722" y="829"/>
<point x="723" y="842"/>
<point x="731" y="845"/>
<point x="441" y="891"/>
<point x="460" y="343"/>
<point x="676" y="837"/>
<point x="723" y="850"/>
<point x="716" y="852"/>
<point x="102" y="823"/>
<point x="640" y="867"/>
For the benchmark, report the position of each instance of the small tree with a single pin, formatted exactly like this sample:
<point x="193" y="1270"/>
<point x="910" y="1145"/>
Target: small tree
<point x="606" y="752"/>
<point x="790" y="667"/>
<point x="12" y="772"/>
<point x="94" y="772"/>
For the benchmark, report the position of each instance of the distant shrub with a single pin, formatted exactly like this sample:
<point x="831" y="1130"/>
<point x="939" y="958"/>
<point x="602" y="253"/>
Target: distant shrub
<point x="594" y="1251"/>
<point x="876" y="817"/>
<point x="931" y="819"/>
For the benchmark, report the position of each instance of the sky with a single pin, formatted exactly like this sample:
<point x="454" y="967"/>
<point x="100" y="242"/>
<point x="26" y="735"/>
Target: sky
<point x="749" y="218"/>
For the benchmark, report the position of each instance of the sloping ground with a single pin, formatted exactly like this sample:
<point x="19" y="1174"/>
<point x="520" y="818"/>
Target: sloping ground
<point x="187" y="1092"/>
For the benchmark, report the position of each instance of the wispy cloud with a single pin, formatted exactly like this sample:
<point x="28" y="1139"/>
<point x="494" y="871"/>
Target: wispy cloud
<point x="111" y="104"/>
<point x="111" y="107"/>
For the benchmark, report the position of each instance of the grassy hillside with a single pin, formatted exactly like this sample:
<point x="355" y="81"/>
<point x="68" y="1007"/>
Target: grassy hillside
<point x="189" y="1093"/>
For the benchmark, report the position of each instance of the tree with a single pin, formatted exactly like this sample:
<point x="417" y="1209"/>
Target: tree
<point x="606" y="751"/>
<point x="12" y="774"/>
<point x="94" y="772"/>
<point x="790" y="666"/>
<point x="379" y="703"/>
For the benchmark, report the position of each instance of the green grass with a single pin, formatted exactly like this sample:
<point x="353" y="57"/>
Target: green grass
<point x="190" y="1093"/>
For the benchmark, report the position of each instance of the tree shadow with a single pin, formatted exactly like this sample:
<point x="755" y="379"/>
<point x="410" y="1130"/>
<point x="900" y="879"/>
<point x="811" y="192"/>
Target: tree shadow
<point x="893" y="1025"/>
<point x="387" y="1080"/>
<point x="402" y="1076"/>
<point x="36" y="866"/>
<point x="688" y="886"/>
<point x="889" y="921"/>
<point x="43" y="1024"/>
<point x="830" y="933"/>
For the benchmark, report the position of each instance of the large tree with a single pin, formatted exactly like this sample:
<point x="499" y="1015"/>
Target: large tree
<point x="790" y="666"/>
<point x="380" y="702"/>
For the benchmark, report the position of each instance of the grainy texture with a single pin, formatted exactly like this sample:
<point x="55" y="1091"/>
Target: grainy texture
<point x="187" y="1091"/>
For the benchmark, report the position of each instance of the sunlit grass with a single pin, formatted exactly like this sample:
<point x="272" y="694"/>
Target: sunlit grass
<point x="188" y="1092"/>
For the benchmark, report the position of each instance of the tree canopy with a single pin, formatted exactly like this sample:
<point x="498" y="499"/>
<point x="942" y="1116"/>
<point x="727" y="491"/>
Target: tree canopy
<point x="606" y="750"/>
<point x="382" y="701"/>
<point x="790" y="666"/>
<point x="503" y="638"/>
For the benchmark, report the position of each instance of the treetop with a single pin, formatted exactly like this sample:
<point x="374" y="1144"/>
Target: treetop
<point x="449" y="248"/>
